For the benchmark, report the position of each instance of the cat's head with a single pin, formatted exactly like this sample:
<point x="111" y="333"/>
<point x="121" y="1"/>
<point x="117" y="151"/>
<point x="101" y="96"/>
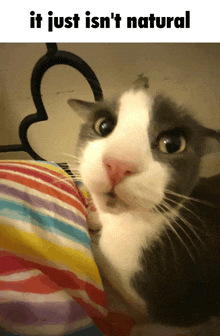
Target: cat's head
<point x="137" y="151"/>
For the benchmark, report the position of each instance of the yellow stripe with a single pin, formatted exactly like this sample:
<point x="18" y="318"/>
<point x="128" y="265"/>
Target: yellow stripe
<point x="32" y="245"/>
<point x="51" y="167"/>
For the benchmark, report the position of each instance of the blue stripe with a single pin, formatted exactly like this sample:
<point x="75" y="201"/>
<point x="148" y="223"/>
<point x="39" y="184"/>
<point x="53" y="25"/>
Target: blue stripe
<point x="37" y="203"/>
<point x="18" y="211"/>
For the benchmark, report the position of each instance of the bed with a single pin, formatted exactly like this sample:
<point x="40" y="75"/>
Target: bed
<point x="49" y="281"/>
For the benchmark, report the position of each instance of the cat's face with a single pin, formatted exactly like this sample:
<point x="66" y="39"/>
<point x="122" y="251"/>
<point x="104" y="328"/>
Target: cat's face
<point x="138" y="151"/>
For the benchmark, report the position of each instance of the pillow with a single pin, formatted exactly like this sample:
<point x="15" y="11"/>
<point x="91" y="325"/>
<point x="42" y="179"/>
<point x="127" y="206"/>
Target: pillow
<point x="49" y="281"/>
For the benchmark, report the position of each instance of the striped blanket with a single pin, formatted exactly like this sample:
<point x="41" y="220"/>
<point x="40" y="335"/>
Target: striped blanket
<point x="49" y="281"/>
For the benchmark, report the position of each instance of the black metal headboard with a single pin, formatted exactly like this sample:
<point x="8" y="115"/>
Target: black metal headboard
<point x="51" y="58"/>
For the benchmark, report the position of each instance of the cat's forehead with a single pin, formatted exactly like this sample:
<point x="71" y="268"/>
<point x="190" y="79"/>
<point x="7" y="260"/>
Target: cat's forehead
<point x="161" y="111"/>
<point x="158" y="112"/>
<point x="166" y="111"/>
<point x="134" y="100"/>
<point x="129" y="100"/>
<point x="134" y="108"/>
<point x="158" y="107"/>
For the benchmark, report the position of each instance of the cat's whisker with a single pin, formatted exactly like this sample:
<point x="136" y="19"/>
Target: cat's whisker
<point x="184" y="207"/>
<point x="179" y="237"/>
<point x="74" y="170"/>
<point x="167" y="234"/>
<point x="162" y="242"/>
<point x="74" y="167"/>
<point x="74" y="160"/>
<point x="73" y="156"/>
<point x="191" y="228"/>
<point x="74" y="177"/>
<point x="190" y="198"/>
<point x="62" y="179"/>
<point x="174" y="220"/>
<point x="188" y="225"/>
<point x="179" y="195"/>
<point x="176" y="212"/>
<point x="184" y="221"/>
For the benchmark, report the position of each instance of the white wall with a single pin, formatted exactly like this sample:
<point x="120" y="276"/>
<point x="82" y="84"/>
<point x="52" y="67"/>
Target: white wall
<point x="188" y="73"/>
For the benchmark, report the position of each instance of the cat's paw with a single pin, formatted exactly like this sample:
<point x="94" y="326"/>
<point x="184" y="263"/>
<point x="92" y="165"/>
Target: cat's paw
<point x="93" y="218"/>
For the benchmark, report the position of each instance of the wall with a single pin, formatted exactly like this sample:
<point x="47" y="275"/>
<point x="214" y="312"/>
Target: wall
<point x="188" y="73"/>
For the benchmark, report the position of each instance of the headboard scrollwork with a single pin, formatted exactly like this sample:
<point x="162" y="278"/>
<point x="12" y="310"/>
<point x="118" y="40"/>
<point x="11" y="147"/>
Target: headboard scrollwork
<point x="51" y="58"/>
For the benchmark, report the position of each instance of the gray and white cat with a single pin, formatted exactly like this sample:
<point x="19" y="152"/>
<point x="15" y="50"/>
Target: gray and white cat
<point x="156" y="228"/>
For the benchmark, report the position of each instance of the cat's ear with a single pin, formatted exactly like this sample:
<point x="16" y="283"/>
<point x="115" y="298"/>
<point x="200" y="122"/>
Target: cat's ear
<point x="213" y="134"/>
<point x="82" y="108"/>
<point x="213" y="141"/>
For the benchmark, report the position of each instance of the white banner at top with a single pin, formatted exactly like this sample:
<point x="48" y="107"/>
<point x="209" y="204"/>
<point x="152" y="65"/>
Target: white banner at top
<point x="109" y="21"/>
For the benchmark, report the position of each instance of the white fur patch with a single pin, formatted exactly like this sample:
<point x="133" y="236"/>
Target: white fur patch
<point x="125" y="232"/>
<point x="120" y="246"/>
<point x="129" y="140"/>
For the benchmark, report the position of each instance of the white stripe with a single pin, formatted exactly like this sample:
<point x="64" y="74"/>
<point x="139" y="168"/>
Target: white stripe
<point x="58" y="266"/>
<point x="11" y="296"/>
<point x="83" y="295"/>
<point x="42" y="182"/>
<point x="42" y="196"/>
<point x="43" y="210"/>
<point x="48" y="166"/>
<point x="20" y="276"/>
<point x="60" y="296"/>
<point x="51" y="237"/>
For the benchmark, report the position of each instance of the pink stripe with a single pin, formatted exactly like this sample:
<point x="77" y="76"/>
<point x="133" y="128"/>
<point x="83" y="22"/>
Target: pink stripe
<point x="39" y="284"/>
<point x="43" y="175"/>
<point x="63" y="279"/>
<point x="48" y="190"/>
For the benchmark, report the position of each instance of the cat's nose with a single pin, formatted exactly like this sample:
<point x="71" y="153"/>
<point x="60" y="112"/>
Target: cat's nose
<point x="117" y="170"/>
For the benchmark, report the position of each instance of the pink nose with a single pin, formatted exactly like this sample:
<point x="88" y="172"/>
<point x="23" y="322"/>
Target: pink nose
<point x="117" y="170"/>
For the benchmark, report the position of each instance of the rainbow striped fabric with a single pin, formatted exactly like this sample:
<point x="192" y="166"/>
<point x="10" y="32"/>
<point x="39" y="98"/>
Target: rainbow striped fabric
<point x="49" y="282"/>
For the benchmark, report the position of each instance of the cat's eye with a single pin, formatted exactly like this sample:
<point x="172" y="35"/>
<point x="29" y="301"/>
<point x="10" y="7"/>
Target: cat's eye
<point x="172" y="143"/>
<point x="104" y="126"/>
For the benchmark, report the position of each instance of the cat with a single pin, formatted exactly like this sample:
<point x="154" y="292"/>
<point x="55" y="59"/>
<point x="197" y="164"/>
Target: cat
<point x="154" y="224"/>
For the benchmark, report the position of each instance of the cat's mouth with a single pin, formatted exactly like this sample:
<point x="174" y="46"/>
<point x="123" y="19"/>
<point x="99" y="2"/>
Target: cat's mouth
<point x="112" y="198"/>
<point x="114" y="201"/>
<point x="117" y="203"/>
<point x="111" y="194"/>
